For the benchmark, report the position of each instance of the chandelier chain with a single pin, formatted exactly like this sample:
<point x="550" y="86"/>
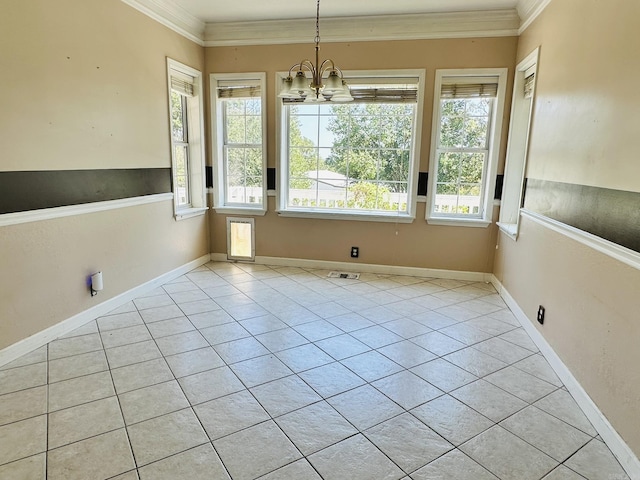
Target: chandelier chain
<point x="317" y="39"/>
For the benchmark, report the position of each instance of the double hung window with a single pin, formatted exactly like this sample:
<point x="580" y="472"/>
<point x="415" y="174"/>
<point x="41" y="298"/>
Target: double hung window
<point x="239" y="125"/>
<point x="465" y="142"/>
<point x="187" y="146"/>
<point x="519" y="129"/>
<point x="357" y="159"/>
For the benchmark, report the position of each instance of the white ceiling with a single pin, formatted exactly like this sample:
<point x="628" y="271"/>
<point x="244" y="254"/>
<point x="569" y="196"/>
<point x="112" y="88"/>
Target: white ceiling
<point x="215" y="11"/>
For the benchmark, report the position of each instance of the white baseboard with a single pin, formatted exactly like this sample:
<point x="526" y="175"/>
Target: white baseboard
<point x="366" y="268"/>
<point x="614" y="441"/>
<point x="45" y="336"/>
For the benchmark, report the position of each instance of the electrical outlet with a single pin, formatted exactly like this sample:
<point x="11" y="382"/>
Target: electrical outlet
<point x="355" y="252"/>
<point x="541" y="315"/>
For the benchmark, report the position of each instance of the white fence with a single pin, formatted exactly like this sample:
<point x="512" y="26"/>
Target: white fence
<point x="337" y="198"/>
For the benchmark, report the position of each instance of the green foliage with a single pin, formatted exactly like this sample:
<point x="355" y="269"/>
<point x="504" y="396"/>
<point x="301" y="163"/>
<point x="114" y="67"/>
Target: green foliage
<point x="244" y="166"/>
<point x="368" y="196"/>
<point x="372" y="141"/>
<point x="303" y="156"/>
<point x="177" y="116"/>
<point x="243" y="121"/>
<point x="465" y="123"/>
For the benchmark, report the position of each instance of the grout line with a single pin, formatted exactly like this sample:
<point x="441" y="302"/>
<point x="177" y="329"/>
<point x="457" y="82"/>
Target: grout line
<point x="256" y="298"/>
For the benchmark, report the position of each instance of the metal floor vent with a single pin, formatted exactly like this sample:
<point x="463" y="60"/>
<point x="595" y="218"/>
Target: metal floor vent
<point x="348" y="276"/>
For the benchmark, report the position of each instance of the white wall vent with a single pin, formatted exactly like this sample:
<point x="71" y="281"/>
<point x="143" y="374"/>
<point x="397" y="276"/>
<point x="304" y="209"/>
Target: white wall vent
<point x="348" y="276"/>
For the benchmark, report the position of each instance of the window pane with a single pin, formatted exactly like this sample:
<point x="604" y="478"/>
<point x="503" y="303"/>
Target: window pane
<point x="302" y="192"/>
<point x="465" y="123"/>
<point x="361" y="164"/>
<point x="471" y="168"/>
<point x="304" y="131"/>
<point x="180" y="158"/>
<point x="235" y="166"/>
<point x="459" y="188"/>
<point x="449" y="167"/>
<point x="446" y="198"/>
<point x="452" y="131"/>
<point x="253" y="106"/>
<point x="399" y="196"/>
<point x="235" y="107"/>
<point x="302" y="161"/>
<point x="182" y="190"/>
<point x="363" y="196"/>
<point x="235" y="127"/>
<point x="478" y="107"/>
<point x="394" y="165"/>
<point x="475" y="134"/>
<point x="395" y="132"/>
<point x="178" y="107"/>
<point x="235" y="176"/>
<point x="392" y="196"/>
<point x="254" y="130"/>
<point x="253" y="165"/>
<point x="469" y="199"/>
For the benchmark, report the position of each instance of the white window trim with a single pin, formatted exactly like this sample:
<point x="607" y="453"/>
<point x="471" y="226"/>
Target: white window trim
<point x="494" y="148"/>
<point x="253" y="239"/>
<point x="217" y="136"/>
<point x="333" y="214"/>
<point x="195" y="112"/>
<point x="517" y="148"/>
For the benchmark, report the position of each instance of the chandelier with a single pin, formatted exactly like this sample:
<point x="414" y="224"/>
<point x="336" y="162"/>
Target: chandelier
<point x="333" y="89"/>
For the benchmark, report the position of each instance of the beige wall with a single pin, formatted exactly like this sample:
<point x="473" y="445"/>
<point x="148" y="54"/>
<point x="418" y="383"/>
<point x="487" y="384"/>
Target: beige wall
<point x="416" y="244"/>
<point x="84" y="87"/>
<point x="586" y="120"/>
<point x="587" y="116"/>
<point x="43" y="278"/>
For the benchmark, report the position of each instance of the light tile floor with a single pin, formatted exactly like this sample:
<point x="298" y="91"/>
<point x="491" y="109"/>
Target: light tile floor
<point x="245" y="371"/>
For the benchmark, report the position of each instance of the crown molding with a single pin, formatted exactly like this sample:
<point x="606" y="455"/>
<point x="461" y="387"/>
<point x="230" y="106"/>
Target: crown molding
<point x="528" y="10"/>
<point x="494" y="23"/>
<point x="170" y="15"/>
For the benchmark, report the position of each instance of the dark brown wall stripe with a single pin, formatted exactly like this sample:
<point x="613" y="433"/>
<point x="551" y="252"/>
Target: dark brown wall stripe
<point x="23" y="191"/>
<point x="497" y="194"/>
<point x="271" y="178"/>
<point x="208" y="175"/>
<point x="423" y="181"/>
<point x="610" y="214"/>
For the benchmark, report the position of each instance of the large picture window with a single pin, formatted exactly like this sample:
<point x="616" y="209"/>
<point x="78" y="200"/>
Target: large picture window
<point x="239" y="123"/>
<point x="356" y="158"/>
<point x="465" y="142"/>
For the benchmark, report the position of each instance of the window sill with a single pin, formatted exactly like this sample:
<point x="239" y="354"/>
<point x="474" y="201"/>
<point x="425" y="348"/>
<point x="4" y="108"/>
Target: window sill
<point x="241" y="210"/>
<point x="190" y="213"/>
<point x="510" y="229"/>
<point x="342" y="215"/>
<point x="459" y="222"/>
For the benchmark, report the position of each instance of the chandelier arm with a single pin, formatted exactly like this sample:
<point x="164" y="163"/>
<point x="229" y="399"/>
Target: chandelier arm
<point x="328" y="64"/>
<point x="310" y="66"/>
<point x="303" y="64"/>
